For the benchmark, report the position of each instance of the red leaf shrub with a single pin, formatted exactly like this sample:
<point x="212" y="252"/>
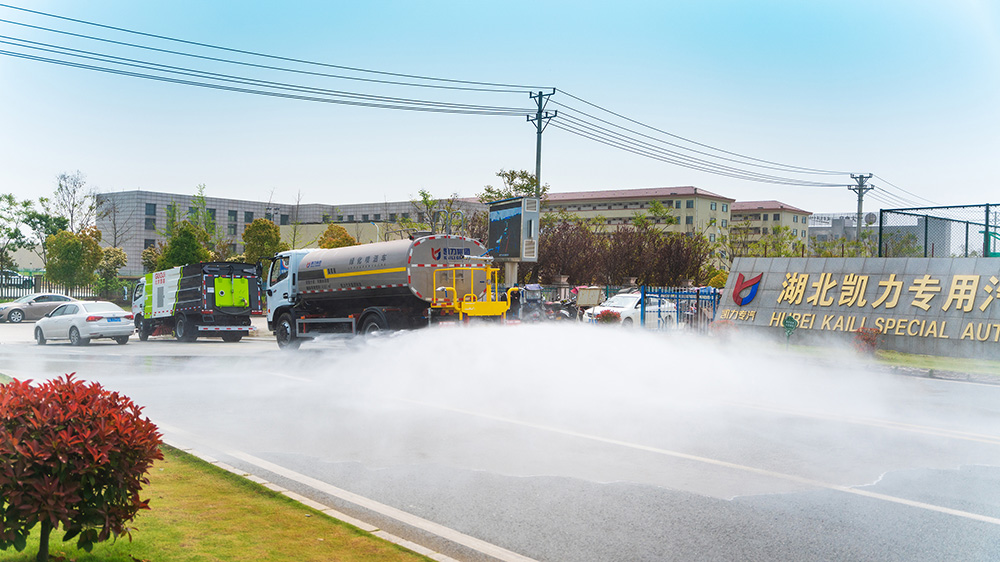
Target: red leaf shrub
<point x="71" y="454"/>
<point x="866" y="340"/>
<point x="608" y="317"/>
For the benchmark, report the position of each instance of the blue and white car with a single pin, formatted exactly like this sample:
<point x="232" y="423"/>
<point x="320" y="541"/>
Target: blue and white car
<point x="79" y="322"/>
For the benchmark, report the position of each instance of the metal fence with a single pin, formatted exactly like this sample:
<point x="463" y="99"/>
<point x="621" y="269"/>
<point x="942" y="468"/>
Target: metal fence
<point x="679" y="307"/>
<point x="39" y="284"/>
<point x="957" y="231"/>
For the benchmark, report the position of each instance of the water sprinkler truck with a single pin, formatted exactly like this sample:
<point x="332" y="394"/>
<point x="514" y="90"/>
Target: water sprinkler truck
<point x="397" y="285"/>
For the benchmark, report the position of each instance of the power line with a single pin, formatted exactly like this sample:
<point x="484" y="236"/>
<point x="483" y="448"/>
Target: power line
<point x="683" y="159"/>
<point x="100" y="57"/>
<point x="519" y="87"/>
<point x="905" y="191"/>
<point x="630" y="120"/>
<point x="258" y="92"/>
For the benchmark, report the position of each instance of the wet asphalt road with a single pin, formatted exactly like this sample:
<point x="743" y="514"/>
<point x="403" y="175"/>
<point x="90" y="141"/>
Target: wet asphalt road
<point x="569" y="444"/>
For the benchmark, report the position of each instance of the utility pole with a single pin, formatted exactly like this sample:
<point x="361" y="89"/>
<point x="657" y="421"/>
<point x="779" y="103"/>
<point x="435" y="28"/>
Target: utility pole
<point x="861" y="188"/>
<point x="540" y="119"/>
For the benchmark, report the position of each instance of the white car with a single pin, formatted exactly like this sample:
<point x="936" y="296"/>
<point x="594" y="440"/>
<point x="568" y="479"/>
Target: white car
<point x="660" y="312"/>
<point x="79" y="322"/>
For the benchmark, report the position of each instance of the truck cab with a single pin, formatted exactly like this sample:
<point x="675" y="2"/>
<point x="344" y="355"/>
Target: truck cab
<point x="281" y="282"/>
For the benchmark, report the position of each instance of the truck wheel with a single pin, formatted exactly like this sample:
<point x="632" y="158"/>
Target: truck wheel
<point x="373" y="325"/>
<point x="231" y="337"/>
<point x="284" y="333"/>
<point x="184" y="329"/>
<point x="142" y="328"/>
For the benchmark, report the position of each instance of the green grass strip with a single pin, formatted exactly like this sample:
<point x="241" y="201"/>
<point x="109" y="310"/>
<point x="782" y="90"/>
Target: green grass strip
<point x="202" y="513"/>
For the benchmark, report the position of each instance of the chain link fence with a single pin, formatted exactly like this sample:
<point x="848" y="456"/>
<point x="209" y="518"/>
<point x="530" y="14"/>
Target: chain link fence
<point x="957" y="231"/>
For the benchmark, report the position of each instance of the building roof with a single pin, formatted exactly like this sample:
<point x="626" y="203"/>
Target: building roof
<point x="641" y="193"/>
<point x="770" y="205"/>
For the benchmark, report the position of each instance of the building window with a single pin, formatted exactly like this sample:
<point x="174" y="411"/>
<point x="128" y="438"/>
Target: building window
<point x="364" y="218"/>
<point x="350" y="218"/>
<point x="247" y="216"/>
<point x="150" y="223"/>
<point x="689" y="219"/>
<point x="192" y="211"/>
<point x="795" y="218"/>
<point x="803" y="233"/>
<point x="765" y="216"/>
<point x="268" y="216"/>
<point x="711" y="237"/>
<point x="689" y="204"/>
<point x="377" y="217"/>
<point x="211" y="214"/>
<point x="725" y="207"/>
<point x="712" y="205"/>
<point x="392" y="217"/>
<point x="284" y="219"/>
<point x="764" y="230"/>
<point x="795" y="232"/>
<point x="340" y="218"/>
<point x="233" y="215"/>
<point x="406" y="215"/>
<point x="725" y="223"/>
<point x="677" y="204"/>
<point x="777" y="217"/>
<point x="151" y="209"/>
<point x="231" y="228"/>
<point x="148" y="243"/>
<point x="232" y="248"/>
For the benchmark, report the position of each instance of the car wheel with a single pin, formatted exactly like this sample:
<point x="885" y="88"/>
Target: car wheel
<point x="284" y="333"/>
<point x="122" y="340"/>
<point x="39" y="336"/>
<point x="184" y="329"/>
<point x="15" y="316"/>
<point x="232" y="337"/>
<point x="627" y="323"/>
<point x="75" y="338"/>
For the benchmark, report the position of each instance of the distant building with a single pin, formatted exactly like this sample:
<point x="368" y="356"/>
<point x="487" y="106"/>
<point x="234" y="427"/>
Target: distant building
<point x="134" y="220"/>
<point x="692" y="209"/>
<point x="760" y="218"/>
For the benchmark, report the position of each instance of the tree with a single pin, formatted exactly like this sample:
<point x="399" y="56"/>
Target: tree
<point x="73" y="455"/>
<point x="75" y="201"/>
<point x="43" y="224"/>
<point x="108" y="283"/>
<point x="569" y="246"/>
<point x="12" y="215"/>
<point x="262" y="239"/>
<point x="433" y="214"/>
<point x="184" y="248"/>
<point x="777" y="243"/>
<point x="336" y="236"/>
<point x="73" y="258"/>
<point x="117" y="219"/>
<point x="151" y="256"/>
<point x="516" y="183"/>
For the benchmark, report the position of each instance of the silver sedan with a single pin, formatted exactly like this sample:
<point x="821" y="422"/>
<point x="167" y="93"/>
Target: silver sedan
<point x="80" y="322"/>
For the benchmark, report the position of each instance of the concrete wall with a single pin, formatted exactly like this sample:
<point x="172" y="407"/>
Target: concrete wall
<point x="943" y="306"/>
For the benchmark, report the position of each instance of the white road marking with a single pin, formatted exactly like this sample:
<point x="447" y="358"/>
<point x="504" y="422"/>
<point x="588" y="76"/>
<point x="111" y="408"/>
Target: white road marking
<point x="876" y="422"/>
<point x="428" y="526"/>
<point x="720" y="463"/>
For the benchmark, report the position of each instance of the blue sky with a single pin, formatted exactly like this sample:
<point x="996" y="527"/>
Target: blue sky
<point x="905" y="89"/>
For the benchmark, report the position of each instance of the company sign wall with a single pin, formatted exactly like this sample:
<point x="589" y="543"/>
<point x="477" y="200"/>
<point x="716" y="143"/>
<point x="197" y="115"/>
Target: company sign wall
<point x="937" y="306"/>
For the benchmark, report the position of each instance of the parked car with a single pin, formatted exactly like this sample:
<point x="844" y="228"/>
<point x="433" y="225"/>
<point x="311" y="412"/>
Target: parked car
<point x="10" y="278"/>
<point x="31" y="307"/>
<point x="79" y="322"/>
<point x="658" y="310"/>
